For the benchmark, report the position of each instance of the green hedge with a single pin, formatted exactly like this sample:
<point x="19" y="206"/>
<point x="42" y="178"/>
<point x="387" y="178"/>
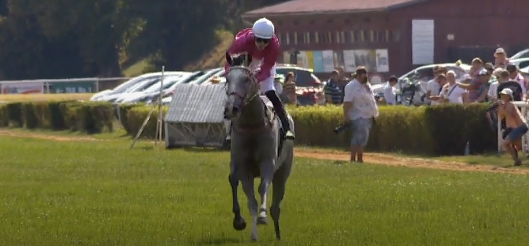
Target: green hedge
<point x="91" y="117"/>
<point x="439" y="130"/>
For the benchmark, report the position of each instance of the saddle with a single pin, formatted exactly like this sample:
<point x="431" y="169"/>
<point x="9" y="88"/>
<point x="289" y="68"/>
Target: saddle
<point x="272" y="116"/>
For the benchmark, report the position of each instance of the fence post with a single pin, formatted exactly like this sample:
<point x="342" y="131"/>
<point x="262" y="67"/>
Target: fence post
<point x="97" y="85"/>
<point x="47" y="87"/>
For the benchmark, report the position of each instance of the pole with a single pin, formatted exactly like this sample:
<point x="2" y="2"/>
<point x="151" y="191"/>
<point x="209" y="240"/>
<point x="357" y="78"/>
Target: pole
<point x="143" y="126"/>
<point x="159" y="122"/>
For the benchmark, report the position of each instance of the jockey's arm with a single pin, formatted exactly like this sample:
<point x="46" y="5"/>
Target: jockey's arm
<point x="238" y="46"/>
<point x="269" y="61"/>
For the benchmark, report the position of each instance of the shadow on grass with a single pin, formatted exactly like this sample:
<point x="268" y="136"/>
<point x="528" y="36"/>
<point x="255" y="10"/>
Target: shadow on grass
<point x="220" y="241"/>
<point x="203" y="150"/>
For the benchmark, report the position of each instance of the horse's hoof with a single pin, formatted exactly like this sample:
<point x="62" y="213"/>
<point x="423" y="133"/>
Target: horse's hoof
<point x="262" y="221"/>
<point x="239" y="224"/>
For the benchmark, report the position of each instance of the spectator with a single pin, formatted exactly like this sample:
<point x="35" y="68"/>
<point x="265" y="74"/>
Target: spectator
<point x="289" y="88"/>
<point x="508" y="83"/>
<point x="451" y="93"/>
<point x="477" y="90"/>
<point x="515" y="76"/>
<point x="390" y="92"/>
<point x="333" y="93"/>
<point x="502" y="76"/>
<point x="433" y="88"/>
<point x="476" y="66"/>
<point x="500" y="58"/>
<point x="360" y="109"/>
<point x="342" y="80"/>
<point x="515" y="123"/>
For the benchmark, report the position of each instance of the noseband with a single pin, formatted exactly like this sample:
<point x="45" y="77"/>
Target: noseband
<point x="253" y="84"/>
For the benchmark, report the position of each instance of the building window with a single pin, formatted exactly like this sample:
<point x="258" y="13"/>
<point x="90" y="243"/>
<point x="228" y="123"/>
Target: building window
<point x="395" y="37"/>
<point x="316" y="37"/>
<point x="329" y="37"/>
<point x="287" y="38"/>
<point x="306" y="38"/>
<point x="342" y="37"/>
<point x="322" y="37"/>
<point x="372" y="37"/>
<point x="338" y="38"/>
<point x="295" y="38"/>
<point x="362" y="35"/>
<point x="380" y="36"/>
<point x="388" y="36"/>
<point x="352" y="37"/>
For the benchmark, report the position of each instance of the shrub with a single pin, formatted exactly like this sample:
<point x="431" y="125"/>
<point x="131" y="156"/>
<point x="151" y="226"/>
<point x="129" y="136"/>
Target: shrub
<point x="123" y="118"/>
<point x="137" y="115"/>
<point x="30" y="118"/>
<point x="4" y="115"/>
<point x="14" y="114"/>
<point x="438" y="130"/>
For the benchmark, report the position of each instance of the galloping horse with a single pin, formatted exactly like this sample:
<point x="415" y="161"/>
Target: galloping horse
<point x="256" y="148"/>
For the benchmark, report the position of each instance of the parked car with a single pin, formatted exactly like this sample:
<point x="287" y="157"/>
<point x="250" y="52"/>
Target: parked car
<point x="521" y="54"/>
<point x="307" y="84"/>
<point x="168" y="89"/>
<point x="207" y="75"/>
<point x="138" y="87"/>
<point x="131" y="82"/>
<point x="419" y="78"/>
<point x="521" y="63"/>
<point x="154" y="88"/>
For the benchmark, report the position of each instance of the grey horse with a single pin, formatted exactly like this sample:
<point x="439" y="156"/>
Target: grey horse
<point x="256" y="150"/>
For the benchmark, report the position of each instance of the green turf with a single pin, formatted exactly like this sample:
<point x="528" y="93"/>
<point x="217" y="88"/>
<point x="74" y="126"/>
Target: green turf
<point x="101" y="193"/>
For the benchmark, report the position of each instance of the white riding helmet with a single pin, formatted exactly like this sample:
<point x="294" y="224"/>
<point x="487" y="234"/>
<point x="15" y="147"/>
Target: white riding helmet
<point x="263" y="28"/>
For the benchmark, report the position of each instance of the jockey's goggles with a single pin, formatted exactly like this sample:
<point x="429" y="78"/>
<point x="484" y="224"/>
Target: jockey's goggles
<point x="262" y="40"/>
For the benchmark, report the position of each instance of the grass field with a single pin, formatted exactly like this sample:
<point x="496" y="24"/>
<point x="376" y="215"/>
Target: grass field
<point x="44" y="97"/>
<point x="101" y="193"/>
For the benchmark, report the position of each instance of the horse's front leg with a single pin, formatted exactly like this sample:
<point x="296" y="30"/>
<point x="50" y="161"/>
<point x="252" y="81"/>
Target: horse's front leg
<point x="248" y="188"/>
<point x="267" y="174"/>
<point x="239" y="223"/>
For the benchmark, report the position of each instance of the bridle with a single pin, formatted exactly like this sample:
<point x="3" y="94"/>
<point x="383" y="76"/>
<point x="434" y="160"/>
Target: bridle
<point x="247" y="98"/>
<point x="253" y="86"/>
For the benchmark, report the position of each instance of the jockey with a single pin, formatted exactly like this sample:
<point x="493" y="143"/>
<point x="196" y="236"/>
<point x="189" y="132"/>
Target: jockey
<point x="262" y="44"/>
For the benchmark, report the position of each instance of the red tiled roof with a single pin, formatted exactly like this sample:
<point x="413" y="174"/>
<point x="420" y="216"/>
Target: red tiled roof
<point x="325" y="6"/>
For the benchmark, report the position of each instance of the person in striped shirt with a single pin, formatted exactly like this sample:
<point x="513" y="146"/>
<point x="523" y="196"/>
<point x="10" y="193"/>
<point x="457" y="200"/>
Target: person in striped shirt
<point x="333" y="94"/>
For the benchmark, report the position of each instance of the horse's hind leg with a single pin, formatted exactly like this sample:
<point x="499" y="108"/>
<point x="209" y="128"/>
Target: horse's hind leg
<point x="248" y="187"/>
<point x="239" y="223"/>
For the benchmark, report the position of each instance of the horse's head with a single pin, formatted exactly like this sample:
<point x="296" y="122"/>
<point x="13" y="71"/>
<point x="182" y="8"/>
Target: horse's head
<point x="240" y="88"/>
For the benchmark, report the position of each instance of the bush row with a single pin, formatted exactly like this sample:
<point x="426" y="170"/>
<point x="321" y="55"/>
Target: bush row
<point x="440" y="130"/>
<point x="59" y="115"/>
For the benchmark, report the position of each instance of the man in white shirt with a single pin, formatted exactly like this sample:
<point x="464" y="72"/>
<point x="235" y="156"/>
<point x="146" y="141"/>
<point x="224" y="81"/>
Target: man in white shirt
<point x="433" y="87"/>
<point x="451" y="93"/>
<point x="492" y="93"/>
<point x="359" y="109"/>
<point x="390" y="92"/>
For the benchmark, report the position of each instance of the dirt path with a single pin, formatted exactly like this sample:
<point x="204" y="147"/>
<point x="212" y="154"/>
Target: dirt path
<point x="45" y="136"/>
<point x="375" y="158"/>
<point x="389" y="160"/>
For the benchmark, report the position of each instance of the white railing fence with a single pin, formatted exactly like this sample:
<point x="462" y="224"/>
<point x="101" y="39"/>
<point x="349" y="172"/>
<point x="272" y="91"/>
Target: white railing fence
<point x="73" y="85"/>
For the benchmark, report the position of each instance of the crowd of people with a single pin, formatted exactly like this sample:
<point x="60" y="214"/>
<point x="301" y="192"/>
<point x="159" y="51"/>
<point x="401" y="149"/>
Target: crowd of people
<point x="499" y="83"/>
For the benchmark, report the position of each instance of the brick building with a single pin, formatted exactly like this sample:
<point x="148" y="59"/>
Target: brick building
<point x="393" y="36"/>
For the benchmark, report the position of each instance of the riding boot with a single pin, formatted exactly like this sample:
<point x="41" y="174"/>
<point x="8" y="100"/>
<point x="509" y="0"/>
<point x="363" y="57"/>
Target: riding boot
<point x="281" y="113"/>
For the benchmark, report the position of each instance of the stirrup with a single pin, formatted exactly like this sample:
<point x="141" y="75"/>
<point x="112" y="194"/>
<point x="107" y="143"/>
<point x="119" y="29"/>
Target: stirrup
<point x="289" y="135"/>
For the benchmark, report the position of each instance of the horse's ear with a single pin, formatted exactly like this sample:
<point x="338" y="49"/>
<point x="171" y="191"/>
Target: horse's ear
<point x="229" y="59"/>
